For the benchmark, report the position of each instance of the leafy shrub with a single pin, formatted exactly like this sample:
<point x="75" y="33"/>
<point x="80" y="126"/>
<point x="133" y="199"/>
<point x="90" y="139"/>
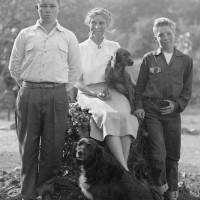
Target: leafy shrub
<point x="78" y="126"/>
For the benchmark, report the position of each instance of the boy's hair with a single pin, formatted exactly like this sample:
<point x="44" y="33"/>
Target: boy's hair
<point x="38" y="2"/>
<point x="162" y="21"/>
<point x="99" y="11"/>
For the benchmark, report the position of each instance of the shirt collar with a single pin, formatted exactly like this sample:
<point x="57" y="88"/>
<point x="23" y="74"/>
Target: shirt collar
<point x="93" y="44"/>
<point x="58" y="26"/>
<point x="159" y="51"/>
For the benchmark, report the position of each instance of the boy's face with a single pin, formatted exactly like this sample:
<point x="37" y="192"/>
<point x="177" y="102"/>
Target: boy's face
<point x="48" y="10"/>
<point x="165" y="36"/>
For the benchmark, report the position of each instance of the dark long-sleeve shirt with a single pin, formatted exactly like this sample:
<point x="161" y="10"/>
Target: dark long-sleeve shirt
<point x="172" y="81"/>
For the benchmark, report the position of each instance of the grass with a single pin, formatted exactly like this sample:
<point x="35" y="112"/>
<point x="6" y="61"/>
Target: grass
<point x="190" y="151"/>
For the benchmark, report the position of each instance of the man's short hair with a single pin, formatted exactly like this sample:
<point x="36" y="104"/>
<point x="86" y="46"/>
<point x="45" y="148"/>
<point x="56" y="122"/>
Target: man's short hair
<point x="162" y="21"/>
<point x="38" y="2"/>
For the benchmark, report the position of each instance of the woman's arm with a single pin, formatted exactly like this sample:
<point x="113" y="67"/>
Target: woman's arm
<point x="86" y="90"/>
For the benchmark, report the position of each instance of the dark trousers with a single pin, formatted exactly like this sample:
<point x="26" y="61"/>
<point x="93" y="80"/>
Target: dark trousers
<point x="164" y="142"/>
<point x="41" y="124"/>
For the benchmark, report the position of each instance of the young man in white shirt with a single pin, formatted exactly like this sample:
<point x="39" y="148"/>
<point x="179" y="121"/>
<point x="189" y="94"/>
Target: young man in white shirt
<point x="45" y="62"/>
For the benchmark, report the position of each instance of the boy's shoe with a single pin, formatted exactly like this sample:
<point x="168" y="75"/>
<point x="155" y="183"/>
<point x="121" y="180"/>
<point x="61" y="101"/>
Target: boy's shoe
<point x="171" y="195"/>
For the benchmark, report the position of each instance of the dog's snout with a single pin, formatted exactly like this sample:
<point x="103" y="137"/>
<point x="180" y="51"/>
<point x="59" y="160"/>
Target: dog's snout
<point x="80" y="153"/>
<point x="131" y="62"/>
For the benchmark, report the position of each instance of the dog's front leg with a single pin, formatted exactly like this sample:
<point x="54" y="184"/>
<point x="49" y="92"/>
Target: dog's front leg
<point x="106" y="89"/>
<point x="131" y="98"/>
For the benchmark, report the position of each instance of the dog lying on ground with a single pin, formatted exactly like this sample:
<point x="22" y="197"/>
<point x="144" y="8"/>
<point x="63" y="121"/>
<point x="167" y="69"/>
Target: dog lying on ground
<point x="117" y="77"/>
<point x="102" y="177"/>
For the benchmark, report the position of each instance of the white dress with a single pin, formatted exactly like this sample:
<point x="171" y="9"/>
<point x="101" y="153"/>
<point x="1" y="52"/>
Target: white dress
<point x="111" y="117"/>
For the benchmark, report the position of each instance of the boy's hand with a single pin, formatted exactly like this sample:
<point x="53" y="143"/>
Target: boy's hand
<point x="140" y="113"/>
<point x="168" y="109"/>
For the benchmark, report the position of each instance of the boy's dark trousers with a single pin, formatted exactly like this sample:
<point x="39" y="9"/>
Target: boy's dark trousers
<point x="41" y="125"/>
<point x="164" y="143"/>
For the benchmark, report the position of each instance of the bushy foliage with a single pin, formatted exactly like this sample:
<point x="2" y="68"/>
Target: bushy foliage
<point x="78" y="126"/>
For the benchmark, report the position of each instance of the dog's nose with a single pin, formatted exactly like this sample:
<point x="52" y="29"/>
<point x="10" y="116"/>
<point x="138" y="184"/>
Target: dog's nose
<point x="131" y="62"/>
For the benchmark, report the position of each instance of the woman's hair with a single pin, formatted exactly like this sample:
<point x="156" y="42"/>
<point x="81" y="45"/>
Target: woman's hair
<point x="38" y="2"/>
<point x="163" y="22"/>
<point x="99" y="11"/>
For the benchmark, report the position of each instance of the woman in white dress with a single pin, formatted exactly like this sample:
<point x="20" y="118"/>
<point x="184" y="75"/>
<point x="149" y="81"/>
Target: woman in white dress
<point x="111" y="118"/>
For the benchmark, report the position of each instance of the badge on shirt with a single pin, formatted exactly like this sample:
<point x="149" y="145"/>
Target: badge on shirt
<point x="155" y="70"/>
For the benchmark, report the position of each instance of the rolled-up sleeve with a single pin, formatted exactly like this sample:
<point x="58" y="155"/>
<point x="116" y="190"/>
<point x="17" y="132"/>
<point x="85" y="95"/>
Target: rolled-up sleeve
<point x="17" y="56"/>
<point x="74" y="61"/>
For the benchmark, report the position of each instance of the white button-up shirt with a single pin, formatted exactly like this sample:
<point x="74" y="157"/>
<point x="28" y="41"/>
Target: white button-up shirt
<point x="95" y="58"/>
<point x="40" y="57"/>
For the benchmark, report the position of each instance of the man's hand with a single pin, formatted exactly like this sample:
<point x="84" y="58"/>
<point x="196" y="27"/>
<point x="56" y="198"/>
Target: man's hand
<point x="168" y="109"/>
<point x="140" y="113"/>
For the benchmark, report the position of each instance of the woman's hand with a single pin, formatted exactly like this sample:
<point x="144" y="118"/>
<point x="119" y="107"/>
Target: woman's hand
<point x="103" y="95"/>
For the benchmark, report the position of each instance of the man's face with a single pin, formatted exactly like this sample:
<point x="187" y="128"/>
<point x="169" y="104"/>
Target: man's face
<point x="165" y="36"/>
<point x="48" y="10"/>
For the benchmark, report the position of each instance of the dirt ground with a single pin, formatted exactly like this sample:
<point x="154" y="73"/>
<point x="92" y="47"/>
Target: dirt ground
<point x="190" y="153"/>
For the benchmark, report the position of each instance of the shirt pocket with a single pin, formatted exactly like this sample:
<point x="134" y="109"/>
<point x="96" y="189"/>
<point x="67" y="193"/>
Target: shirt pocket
<point x="155" y="75"/>
<point x="62" y="54"/>
<point x="29" y="46"/>
<point x="29" y="49"/>
<point x="177" y="76"/>
<point x="155" y="70"/>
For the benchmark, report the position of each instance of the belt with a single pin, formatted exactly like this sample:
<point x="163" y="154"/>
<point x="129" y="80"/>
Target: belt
<point x="159" y="102"/>
<point x="42" y="84"/>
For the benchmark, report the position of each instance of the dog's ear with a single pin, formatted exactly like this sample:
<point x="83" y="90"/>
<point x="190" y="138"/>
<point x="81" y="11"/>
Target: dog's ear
<point x="98" y="153"/>
<point x="73" y="152"/>
<point x="118" y="56"/>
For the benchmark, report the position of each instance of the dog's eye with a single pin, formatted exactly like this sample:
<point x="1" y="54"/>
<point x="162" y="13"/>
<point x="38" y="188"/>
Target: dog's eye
<point x="79" y="144"/>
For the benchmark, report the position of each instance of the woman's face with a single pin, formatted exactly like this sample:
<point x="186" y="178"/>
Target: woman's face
<point x="98" y="26"/>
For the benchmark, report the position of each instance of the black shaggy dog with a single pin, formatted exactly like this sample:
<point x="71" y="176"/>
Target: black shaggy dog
<point x="102" y="177"/>
<point x="117" y="77"/>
